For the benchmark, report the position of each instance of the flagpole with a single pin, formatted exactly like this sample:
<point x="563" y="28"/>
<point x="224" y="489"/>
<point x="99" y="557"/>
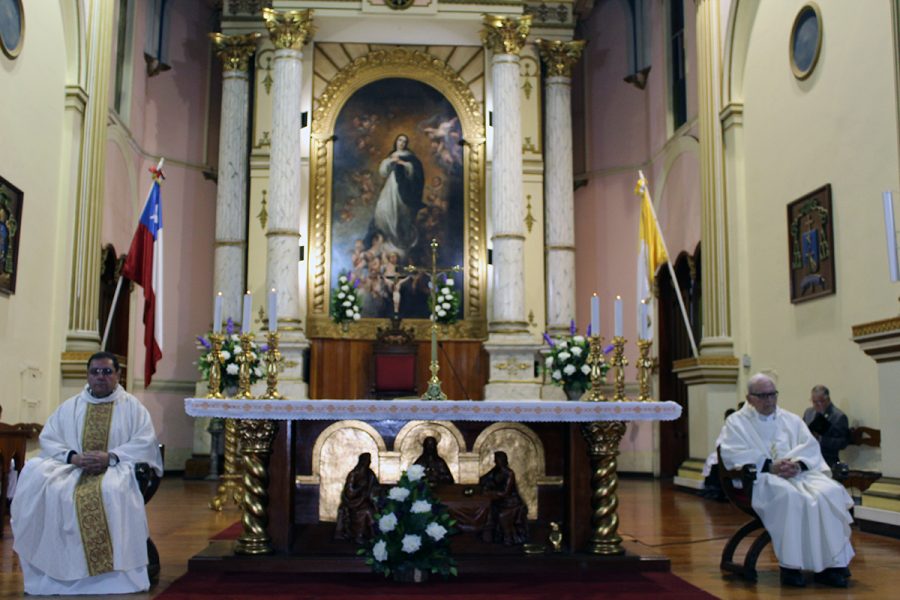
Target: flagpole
<point x="684" y="315"/>
<point x="115" y="300"/>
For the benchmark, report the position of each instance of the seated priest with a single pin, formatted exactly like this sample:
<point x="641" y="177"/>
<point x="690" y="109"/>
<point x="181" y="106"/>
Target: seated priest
<point x="508" y="519"/>
<point x="803" y="509"/>
<point x="356" y="512"/>
<point x="78" y="515"/>
<point x="436" y="470"/>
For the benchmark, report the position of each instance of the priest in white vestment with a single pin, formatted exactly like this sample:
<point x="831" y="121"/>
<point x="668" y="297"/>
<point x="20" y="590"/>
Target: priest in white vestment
<point x="803" y="509"/>
<point x="78" y="516"/>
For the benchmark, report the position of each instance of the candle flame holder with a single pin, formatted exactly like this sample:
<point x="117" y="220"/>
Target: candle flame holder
<point x="597" y="362"/>
<point x="214" y="385"/>
<point x="619" y="362"/>
<point x="645" y="368"/>
<point x="244" y="373"/>
<point x="273" y="360"/>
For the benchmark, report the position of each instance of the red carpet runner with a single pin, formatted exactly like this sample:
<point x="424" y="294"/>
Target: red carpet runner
<point x="284" y="586"/>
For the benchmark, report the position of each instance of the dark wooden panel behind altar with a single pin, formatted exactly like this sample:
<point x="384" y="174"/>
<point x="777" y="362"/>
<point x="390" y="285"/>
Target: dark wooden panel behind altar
<point x="342" y="369"/>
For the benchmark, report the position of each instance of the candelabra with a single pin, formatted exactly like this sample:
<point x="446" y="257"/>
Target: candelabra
<point x="215" y="366"/>
<point x="618" y="362"/>
<point x="229" y="487"/>
<point x="645" y="368"/>
<point x="273" y="360"/>
<point x="597" y="362"/>
<point x="244" y="372"/>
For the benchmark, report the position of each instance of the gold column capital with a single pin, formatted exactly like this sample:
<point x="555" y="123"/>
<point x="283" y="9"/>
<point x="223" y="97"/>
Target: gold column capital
<point x="291" y="29"/>
<point x="235" y="50"/>
<point x="505" y="35"/>
<point x="559" y="57"/>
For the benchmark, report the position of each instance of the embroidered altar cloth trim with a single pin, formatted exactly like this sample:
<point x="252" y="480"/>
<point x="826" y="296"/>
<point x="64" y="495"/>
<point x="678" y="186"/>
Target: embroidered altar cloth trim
<point x="521" y="411"/>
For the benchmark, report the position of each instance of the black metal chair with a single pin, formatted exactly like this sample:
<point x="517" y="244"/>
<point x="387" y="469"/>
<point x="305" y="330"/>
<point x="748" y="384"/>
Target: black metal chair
<point x="148" y="482"/>
<point x="743" y="499"/>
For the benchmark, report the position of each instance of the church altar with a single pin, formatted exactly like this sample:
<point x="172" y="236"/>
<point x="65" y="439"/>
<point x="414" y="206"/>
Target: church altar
<point x="271" y="497"/>
<point x="519" y="411"/>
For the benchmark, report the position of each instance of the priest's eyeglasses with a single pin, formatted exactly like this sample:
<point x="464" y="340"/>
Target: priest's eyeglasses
<point x="766" y="395"/>
<point x="101" y="371"/>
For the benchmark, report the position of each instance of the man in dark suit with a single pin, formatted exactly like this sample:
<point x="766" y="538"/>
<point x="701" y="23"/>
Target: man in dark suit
<point x="828" y="424"/>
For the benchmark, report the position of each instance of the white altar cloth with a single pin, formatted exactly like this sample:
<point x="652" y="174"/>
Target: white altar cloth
<point x="520" y="411"/>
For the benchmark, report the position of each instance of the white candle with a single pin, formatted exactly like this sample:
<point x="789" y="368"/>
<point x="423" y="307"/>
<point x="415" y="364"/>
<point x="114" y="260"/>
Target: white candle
<point x="245" y="320"/>
<point x="217" y="314"/>
<point x="618" y="330"/>
<point x="595" y="314"/>
<point x="644" y="328"/>
<point x="273" y="308"/>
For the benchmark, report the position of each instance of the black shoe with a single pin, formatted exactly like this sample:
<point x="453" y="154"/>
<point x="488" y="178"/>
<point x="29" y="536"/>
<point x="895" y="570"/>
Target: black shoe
<point x="792" y="577"/>
<point x="832" y="577"/>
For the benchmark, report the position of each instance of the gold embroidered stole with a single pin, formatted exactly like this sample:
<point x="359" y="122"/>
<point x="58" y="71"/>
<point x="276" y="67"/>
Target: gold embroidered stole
<point x="89" y="496"/>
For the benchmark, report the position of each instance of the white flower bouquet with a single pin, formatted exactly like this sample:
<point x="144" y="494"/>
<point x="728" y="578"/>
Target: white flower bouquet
<point x="231" y="349"/>
<point x="567" y="360"/>
<point x="412" y="530"/>
<point x="446" y="301"/>
<point x="345" y="301"/>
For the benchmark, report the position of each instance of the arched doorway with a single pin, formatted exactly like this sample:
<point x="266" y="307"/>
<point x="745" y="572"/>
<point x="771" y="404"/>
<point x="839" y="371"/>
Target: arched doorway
<point x="674" y="344"/>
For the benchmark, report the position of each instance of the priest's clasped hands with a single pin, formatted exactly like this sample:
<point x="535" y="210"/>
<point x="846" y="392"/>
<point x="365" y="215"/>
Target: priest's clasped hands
<point x="92" y="462"/>
<point x="785" y="468"/>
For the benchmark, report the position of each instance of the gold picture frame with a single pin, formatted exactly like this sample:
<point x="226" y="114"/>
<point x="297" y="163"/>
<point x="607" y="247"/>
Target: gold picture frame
<point x="805" y="43"/>
<point x="416" y="66"/>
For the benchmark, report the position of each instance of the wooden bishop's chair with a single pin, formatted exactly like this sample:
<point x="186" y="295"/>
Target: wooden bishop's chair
<point x="743" y="499"/>
<point x="394" y="363"/>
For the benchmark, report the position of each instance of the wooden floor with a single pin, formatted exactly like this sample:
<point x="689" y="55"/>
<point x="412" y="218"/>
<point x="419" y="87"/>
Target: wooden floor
<point x="691" y="531"/>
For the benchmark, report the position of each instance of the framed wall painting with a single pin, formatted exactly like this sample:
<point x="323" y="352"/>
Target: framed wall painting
<point x="811" y="246"/>
<point x="12" y="27"/>
<point x="10" y="231"/>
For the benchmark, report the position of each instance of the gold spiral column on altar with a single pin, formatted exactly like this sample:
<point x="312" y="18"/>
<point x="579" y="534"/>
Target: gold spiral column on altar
<point x="256" y="445"/>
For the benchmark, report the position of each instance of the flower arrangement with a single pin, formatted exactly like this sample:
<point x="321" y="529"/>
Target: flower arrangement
<point x="567" y="360"/>
<point x="231" y="348"/>
<point x="345" y="301"/>
<point x="446" y="302"/>
<point x="412" y="532"/>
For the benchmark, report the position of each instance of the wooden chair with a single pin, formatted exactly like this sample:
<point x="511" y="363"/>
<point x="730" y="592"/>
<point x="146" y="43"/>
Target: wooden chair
<point x="13" y="439"/>
<point x="743" y="499"/>
<point x="855" y="478"/>
<point x="394" y="363"/>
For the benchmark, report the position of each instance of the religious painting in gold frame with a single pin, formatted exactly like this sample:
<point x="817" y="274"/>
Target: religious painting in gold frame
<point x="811" y="245"/>
<point x="356" y="150"/>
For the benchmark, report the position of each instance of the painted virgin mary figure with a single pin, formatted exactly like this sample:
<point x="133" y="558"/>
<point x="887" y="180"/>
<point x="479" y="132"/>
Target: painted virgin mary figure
<point x="400" y="198"/>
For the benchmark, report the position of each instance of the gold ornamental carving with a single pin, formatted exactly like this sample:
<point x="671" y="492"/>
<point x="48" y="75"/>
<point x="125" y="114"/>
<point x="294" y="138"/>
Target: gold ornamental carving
<point x="883" y="326"/>
<point x="289" y="30"/>
<point x="235" y="51"/>
<point x="505" y="35"/>
<point x="433" y="71"/>
<point x="256" y="446"/>
<point x="603" y="439"/>
<point x="559" y="57"/>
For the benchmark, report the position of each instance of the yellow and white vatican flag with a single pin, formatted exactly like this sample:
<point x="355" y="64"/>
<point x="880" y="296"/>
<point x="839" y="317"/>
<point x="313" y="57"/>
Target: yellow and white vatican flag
<point x="652" y="253"/>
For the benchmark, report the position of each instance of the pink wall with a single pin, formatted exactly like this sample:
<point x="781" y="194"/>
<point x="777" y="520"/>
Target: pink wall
<point x="169" y="114"/>
<point x="627" y="130"/>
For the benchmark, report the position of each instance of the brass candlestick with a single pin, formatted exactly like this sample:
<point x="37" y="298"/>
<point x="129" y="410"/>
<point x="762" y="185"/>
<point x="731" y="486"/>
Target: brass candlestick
<point x="244" y="373"/>
<point x="256" y="438"/>
<point x="645" y="368"/>
<point x="273" y="360"/>
<point x="215" y="366"/>
<point x="618" y="362"/>
<point x="597" y="362"/>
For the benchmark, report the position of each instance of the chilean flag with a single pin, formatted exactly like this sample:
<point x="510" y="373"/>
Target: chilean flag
<point x="144" y="265"/>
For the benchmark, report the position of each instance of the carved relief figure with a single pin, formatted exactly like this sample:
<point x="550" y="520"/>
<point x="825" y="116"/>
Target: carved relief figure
<point x="508" y="520"/>
<point x="356" y="512"/>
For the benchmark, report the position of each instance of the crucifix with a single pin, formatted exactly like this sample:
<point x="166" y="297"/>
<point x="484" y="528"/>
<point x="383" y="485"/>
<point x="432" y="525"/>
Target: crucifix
<point x="434" y="391"/>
